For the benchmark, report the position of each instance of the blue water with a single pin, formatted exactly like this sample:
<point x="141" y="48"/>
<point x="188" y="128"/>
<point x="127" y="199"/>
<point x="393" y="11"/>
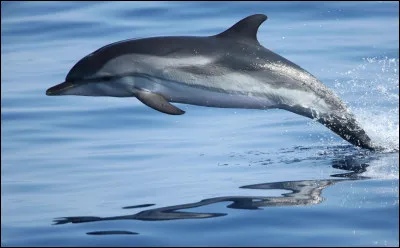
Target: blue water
<point x="94" y="171"/>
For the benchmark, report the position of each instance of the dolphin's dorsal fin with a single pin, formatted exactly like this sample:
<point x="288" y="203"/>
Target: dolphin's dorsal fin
<point x="245" y="29"/>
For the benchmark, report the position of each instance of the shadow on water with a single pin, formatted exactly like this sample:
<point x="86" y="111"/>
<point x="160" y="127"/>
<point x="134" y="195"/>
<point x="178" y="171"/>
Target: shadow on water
<point x="303" y="192"/>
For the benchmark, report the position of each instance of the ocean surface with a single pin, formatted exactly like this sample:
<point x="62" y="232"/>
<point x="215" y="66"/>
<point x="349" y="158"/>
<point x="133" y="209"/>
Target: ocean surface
<point x="103" y="171"/>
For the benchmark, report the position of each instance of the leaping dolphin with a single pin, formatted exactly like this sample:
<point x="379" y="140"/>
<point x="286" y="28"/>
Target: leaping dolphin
<point x="228" y="70"/>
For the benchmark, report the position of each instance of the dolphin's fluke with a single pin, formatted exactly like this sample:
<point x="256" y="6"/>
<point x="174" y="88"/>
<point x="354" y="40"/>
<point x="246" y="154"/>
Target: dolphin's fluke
<point x="340" y="121"/>
<point x="158" y="102"/>
<point x="348" y="128"/>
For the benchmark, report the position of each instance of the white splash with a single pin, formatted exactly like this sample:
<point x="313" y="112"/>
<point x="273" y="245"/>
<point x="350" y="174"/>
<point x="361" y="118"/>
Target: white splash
<point x="384" y="168"/>
<point x="374" y="87"/>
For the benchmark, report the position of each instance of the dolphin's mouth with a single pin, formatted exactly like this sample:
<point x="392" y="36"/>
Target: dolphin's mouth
<point x="59" y="88"/>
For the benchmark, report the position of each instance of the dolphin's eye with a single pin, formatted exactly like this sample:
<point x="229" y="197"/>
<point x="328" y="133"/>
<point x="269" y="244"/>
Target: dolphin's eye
<point x="106" y="78"/>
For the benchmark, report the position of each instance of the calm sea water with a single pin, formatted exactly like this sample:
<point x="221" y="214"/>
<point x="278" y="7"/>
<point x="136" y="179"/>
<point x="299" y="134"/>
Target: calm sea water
<point x="96" y="171"/>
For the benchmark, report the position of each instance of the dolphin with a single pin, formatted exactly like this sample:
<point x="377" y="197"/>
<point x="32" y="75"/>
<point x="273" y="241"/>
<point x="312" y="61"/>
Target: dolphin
<point x="228" y="70"/>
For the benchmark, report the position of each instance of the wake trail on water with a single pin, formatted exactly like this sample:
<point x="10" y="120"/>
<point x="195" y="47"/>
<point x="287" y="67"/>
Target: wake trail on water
<point x="373" y="87"/>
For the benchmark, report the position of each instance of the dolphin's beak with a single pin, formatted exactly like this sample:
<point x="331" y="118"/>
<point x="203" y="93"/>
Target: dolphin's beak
<point x="59" y="88"/>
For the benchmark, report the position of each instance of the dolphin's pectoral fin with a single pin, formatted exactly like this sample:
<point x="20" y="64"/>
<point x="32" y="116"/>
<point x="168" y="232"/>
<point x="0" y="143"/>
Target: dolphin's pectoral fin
<point x="158" y="102"/>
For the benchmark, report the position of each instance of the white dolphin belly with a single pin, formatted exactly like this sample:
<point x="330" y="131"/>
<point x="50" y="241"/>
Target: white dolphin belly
<point x="252" y="94"/>
<point x="230" y="91"/>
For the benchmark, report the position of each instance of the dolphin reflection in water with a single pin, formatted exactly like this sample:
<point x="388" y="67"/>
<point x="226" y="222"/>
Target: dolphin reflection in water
<point x="303" y="192"/>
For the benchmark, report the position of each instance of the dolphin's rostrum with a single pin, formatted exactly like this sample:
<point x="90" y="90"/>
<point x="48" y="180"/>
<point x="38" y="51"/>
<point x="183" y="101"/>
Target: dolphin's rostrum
<point x="228" y="70"/>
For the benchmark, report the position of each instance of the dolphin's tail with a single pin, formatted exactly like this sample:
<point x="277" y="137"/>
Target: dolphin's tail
<point x="341" y="122"/>
<point x="346" y="126"/>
